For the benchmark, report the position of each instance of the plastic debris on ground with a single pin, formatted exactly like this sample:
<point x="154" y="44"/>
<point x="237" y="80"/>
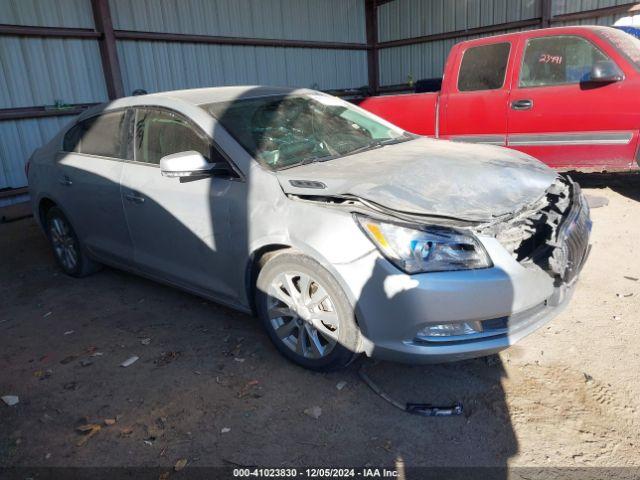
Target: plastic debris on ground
<point x="11" y="400"/>
<point x="180" y="464"/>
<point x="246" y="390"/>
<point x="130" y="361"/>
<point x="313" y="412"/>
<point x="89" y="430"/>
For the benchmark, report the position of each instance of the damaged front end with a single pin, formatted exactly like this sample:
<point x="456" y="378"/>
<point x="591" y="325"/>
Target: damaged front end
<point x="552" y="234"/>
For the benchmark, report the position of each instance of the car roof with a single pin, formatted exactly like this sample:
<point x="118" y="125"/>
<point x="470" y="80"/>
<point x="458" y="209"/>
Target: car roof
<point x="203" y="96"/>
<point x="194" y="97"/>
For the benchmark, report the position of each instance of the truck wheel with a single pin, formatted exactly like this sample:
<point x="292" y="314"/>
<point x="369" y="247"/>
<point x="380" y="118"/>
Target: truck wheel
<point x="66" y="247"/>
<point x="305" y="312"/>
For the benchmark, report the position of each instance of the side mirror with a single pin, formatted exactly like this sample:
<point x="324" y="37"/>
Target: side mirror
<point x="190" y="164"/>
<point x="605" y="71"/>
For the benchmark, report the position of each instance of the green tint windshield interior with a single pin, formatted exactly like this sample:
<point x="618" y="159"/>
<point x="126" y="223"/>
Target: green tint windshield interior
<point x="284" y="131"/>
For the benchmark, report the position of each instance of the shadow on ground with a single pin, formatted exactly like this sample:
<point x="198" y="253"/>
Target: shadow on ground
<point x="208" y="386"/>
<point x="624" y="183"/>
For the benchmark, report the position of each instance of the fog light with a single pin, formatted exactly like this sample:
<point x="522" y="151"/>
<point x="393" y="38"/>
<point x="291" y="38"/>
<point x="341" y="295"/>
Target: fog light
<point x="440" y="330"/>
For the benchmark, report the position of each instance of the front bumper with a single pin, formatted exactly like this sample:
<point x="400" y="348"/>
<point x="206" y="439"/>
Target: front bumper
<point x="510" y="300"/>
<point x="416" y="351"/>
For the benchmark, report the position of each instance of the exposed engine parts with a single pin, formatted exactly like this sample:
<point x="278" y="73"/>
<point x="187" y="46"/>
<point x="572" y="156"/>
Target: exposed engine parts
<point x="548" y="233"/>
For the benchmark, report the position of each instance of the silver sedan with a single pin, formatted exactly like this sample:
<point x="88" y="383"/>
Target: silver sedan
<point x="343" y="233"/>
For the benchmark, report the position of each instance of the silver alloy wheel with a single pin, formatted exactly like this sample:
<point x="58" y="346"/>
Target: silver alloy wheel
<point x="303" y="315"/>
<point x="64" y="245"/>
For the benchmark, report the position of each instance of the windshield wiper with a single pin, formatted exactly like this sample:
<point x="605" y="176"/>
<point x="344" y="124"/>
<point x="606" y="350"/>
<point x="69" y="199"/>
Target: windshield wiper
<point x="309" y="160"/>
<point x="371" y="146"/>
<point x="378" y="144"/>
<point x="402" y="139"/>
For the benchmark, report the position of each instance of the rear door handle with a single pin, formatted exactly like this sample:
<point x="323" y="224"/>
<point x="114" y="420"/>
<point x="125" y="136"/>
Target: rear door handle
<point x="66" y="181"/>
<point x="522" y="105"/>
<point x="134" y="197"/>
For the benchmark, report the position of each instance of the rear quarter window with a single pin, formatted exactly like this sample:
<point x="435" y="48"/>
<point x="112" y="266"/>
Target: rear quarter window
<point x="484" y="67"/>
<point x="100" y="135"/>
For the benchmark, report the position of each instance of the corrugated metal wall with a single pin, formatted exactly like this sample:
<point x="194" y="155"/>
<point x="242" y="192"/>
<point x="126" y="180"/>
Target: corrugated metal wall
<point x="157" y="66"/>
<point x="43" y="71"/>
<point x="604" y="20"/>
<point x="19" y="139"/>
<point x="324" y="20"/>
<point x="571" y="6"/>
<point x="413" y="18"/>
<point x="47" y="13"/>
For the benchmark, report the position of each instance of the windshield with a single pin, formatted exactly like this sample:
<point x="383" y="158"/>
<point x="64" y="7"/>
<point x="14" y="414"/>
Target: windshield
<point x="627" y="44"/>
<point x="285" y="131"/>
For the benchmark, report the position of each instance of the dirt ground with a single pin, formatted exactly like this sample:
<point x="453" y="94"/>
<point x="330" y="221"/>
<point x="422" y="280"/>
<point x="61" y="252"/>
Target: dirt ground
<point x="209" y="388"/>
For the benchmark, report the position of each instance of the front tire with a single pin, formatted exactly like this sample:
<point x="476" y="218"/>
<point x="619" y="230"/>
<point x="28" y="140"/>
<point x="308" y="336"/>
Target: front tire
<point x="306" y="313"/>
<point x="67" y="249"/>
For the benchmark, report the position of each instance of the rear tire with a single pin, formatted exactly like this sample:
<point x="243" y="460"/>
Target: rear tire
<point x="306" y="313"/>
<point x="67" y="249"/>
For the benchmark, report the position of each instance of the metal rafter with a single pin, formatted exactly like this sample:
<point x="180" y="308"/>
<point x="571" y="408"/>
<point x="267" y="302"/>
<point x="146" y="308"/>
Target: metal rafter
<point x="373" y="65"/>
<point x="108" y="50"/>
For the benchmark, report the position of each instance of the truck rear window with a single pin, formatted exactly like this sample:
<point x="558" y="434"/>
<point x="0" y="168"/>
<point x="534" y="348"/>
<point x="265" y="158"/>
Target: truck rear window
<point x="484" y="67"/>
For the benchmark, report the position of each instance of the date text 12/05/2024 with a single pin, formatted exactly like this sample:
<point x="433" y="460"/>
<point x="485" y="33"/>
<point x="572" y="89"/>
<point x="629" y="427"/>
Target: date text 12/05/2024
<point x="315" y="473"/>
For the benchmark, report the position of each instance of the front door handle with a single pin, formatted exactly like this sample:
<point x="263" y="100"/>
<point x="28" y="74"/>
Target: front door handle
<point x="66" y="181"/>
<point x="134" y="197"/>
<point x="522" y="105"/>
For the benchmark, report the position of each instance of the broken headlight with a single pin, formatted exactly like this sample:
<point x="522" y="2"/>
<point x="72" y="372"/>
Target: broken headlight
<point x="434" y="249"/>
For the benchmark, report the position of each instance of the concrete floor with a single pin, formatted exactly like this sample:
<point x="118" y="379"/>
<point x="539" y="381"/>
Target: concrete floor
<point x="566" y="396"/>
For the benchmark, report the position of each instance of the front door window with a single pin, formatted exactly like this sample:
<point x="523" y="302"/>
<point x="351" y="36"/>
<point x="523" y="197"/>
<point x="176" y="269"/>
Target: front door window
<point x="558" y="60"/>
<point x="160" y="133"/>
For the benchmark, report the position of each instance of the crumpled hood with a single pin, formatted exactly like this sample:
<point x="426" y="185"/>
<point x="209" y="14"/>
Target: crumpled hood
<point x="431" y="177"/>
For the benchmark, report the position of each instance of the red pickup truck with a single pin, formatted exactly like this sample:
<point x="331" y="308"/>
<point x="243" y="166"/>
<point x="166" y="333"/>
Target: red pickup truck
<point x="569" y="96"/>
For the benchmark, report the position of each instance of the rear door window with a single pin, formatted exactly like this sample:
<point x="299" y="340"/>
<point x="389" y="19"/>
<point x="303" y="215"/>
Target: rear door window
<point x="159" y="133"/>
<point x="558" y="60"/>
<point x="484" y="67"/>
<point x="101" y="135"/>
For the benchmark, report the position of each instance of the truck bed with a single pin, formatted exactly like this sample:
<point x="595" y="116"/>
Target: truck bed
<point x="413" y="112"/>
